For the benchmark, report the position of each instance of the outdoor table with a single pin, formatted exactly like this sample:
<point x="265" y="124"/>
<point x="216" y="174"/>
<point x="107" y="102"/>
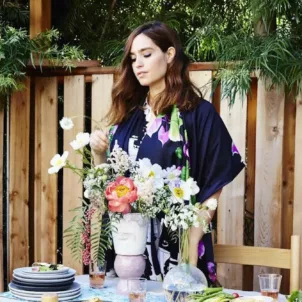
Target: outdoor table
<point x="154" y="292"/>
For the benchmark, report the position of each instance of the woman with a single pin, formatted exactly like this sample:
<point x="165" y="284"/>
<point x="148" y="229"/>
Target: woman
<point x="152" y="96"/>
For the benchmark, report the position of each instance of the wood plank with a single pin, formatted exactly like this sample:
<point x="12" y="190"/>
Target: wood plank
<point x="40" y="16"/>
<point x="1" y="194"/>
<point x="268" y="180"/>
<point x="203" y="81"/>
<point x="100" y="103"/>
<point x="74" y="100"/>
<point x="288" y="181"/>
<point x="19" y="177"/>
<point x="45" y="209"/>
<point x="297" y="215"/>
<point x="231" y="203"/>
<point x="250" y="179"/>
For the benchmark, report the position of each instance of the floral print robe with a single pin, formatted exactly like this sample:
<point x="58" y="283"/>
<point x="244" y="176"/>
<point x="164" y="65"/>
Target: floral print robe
<point x="214" y="161"/>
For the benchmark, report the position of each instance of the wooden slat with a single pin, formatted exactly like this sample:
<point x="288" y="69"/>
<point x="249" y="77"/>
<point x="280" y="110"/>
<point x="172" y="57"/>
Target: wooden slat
<point x="250" y="255"/>
<point x="288" y="162"/>
<point x="203" y="81"/>
<point x="101" y="100"/>
<point x="19" y="178"/>
<point x="40" y="16"/>
<point x="74" y="100"/>
<point x="1" y="194"/>
<point x="269" y="144"/>
<point x="45" y="209"/>
<point x="231" y="203"/>
<point x="250" y="179"/>
<point x="297" y="216"/>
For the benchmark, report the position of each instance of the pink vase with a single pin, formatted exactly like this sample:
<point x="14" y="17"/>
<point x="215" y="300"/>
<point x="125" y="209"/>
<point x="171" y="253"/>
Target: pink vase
<point x="128" y="267"/>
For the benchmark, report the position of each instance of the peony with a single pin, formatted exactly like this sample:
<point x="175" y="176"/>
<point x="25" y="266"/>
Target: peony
<point x="120" y="194"/>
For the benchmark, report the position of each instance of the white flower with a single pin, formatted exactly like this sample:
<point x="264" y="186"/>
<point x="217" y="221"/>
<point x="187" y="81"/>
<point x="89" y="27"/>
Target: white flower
<point x="171" y="174"/>
<point x="66" y="123"/>
<point x="192" y="184"/>
<point x="58" y="162"/>
<point x="212" y="203"/>
<point x="82" y="139"/>
<point x="151" y="171"/>
<point x="180" y="191"/>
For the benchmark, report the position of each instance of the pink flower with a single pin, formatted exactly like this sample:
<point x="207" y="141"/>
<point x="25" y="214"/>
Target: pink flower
<point x="120" y="194"/>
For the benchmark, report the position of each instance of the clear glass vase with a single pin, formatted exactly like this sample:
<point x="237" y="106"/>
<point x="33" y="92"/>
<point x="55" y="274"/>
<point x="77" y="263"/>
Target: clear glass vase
<point x="184" y="279"/>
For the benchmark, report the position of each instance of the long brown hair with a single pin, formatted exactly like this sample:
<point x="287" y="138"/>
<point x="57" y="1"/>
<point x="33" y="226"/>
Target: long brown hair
<point x="128" y="94"/>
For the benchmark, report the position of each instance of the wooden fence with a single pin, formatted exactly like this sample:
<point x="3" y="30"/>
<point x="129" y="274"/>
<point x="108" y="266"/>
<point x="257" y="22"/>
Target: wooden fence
<point x="266" y="126"/>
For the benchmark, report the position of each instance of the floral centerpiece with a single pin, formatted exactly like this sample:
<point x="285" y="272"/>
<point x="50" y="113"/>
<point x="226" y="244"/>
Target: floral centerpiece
<point x="121" y="186"/>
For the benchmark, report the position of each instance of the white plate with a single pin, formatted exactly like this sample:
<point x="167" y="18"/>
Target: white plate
<point x="41" y="281"/>
<point x="31" y="298"/>
<point x="255" y="298"/>
<point x="75" y="287"/>
<point x="30" y="294"/>
<point x="19" y="273"/>
<point x="28" y="270"/>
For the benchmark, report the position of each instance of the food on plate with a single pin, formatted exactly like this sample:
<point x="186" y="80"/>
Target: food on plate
<point x="215" y="294"/>
<point x="295" y="296"/>
<point x="45" y="267"/>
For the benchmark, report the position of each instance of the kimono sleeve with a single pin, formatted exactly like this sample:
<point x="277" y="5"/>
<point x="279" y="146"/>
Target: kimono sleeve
<point x="214" y="158"/>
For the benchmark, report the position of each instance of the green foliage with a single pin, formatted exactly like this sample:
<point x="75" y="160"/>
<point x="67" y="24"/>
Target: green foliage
<point x="17" y="50"/>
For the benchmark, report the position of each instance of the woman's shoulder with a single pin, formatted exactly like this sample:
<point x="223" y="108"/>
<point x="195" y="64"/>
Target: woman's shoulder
<point x="203" y="109"/>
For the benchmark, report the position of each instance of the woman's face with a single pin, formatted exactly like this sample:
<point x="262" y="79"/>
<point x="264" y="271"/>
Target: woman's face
<point x="149" y="62"/>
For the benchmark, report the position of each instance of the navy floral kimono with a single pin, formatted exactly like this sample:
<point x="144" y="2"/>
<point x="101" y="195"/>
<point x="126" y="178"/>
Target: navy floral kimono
<point x="213" y="159"/>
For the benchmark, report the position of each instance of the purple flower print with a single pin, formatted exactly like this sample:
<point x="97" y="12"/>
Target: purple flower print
<point x="234" y="149"/>
<point x="163" y="135"/>
<point x="154" y="126"/>
<point x="212" y="271"/>
<point x="186" y="149"/>
<point x="201" y="249"/>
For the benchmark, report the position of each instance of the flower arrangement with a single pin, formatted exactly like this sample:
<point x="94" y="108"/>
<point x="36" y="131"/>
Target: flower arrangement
<point x="122" y="186"/>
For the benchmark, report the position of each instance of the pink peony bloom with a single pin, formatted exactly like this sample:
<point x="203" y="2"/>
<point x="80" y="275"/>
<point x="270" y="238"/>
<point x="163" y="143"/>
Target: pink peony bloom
<point x="120" y="194"/>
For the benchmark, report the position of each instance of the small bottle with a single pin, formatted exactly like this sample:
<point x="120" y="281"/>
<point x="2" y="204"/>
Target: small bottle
<point x="50" y="297"/>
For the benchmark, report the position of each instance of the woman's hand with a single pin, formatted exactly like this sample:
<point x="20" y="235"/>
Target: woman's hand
<point x="99" y="141"/>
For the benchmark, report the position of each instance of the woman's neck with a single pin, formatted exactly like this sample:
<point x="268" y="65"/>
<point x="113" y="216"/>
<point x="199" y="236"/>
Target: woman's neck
<point x="154" y="91"/>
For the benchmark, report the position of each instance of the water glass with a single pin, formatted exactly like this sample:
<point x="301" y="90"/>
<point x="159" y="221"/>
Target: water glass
<point x="270" y="285"/>
<point x="97" y="272"/>
<point x="137" y="289"/>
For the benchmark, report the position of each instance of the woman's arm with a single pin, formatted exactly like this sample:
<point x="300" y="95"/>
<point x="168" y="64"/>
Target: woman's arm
<point x="196" y="233"/>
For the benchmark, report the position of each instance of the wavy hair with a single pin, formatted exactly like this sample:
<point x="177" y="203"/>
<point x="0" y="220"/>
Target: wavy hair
<point x="128" y="94"/>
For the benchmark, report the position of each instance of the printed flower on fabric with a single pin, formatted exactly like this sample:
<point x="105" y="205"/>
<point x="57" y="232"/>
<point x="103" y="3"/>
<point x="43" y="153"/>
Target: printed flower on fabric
<point x="152" y="171"/>
<point x="175" y="124"/>
<point x="154" y="126"/>
<point x="163" y="135"/>
<point x="120" y="194"/>
<point x="201" y="249"/>
<point x="234" y="149"/>
<point x="212" y="271"/>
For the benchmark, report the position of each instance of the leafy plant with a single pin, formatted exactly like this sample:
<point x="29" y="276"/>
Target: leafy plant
<point x="17" y="50"/>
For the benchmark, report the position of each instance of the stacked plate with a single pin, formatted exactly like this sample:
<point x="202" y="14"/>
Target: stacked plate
<point x="30" y="285"/>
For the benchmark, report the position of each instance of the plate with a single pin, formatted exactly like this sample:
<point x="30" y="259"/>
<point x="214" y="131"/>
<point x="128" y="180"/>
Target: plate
<point x="19" y="273"/>
<point x="42" y="288"/>
<point x="74" y="288"/>
<point x="254" y="299"/>
<point x="28" y="270"/>
<point x="67" y="298"/>
<point x="30" y="294"/>
<point x="42" y="281"/>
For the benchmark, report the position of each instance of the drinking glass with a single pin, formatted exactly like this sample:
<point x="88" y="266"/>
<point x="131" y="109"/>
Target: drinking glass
<point x="97" y="272"/>
<point x="137" y="289"/>
<point x="270" y="285"/>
